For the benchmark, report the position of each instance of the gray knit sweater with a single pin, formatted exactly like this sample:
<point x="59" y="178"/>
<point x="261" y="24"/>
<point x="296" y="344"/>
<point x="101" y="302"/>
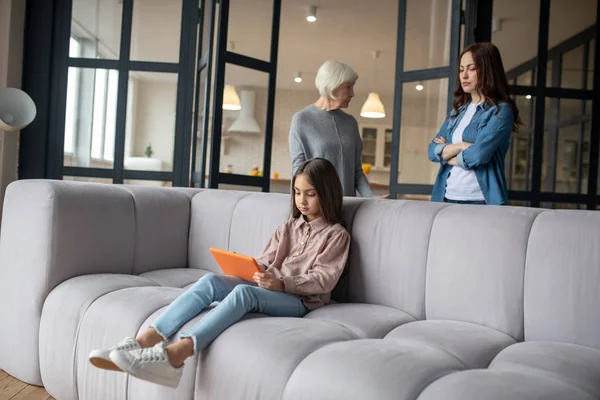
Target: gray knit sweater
<point x="332" y="135"/>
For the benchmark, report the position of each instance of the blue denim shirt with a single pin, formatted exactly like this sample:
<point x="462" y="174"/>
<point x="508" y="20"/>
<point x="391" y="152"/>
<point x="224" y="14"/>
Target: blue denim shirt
<point x="490" y="134"/>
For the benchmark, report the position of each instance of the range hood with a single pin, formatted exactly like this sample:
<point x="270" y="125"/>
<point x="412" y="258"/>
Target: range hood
<point x="245" y="121"/>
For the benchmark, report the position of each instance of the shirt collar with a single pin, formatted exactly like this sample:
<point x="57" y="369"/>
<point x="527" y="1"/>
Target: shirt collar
<point x="484" y="105"/>
<point x="464" y="107"/>
<point x="315" y="226"/>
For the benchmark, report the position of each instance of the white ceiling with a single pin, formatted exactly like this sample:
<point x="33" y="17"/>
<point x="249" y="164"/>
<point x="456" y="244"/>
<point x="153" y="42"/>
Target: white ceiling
<point x="346" y="30"/>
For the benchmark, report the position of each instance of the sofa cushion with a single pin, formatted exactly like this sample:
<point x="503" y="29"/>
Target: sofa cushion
<point x="63" y="311"/>
<point x="162" y="222"/>
<point x="365" y="321"/>
<point x="562" y="278"/>
<point x="501" y="385"/>
<point x="473" y="345"/>
<point x="369" y="369"/>
<point x="107" y="321"/>
<point x="254" y="219"/>
<point x="139" y="389"/>
<point x="210" y="223"/>
<point x="569" y="363"/>
<point x="254" y="358"/>
<point x="476" y="266"/>
<point x="176" y="277"/>
<point x="388" y="254"/>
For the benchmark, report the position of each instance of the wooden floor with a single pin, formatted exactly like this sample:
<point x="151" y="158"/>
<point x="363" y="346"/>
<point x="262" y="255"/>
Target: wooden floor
<point x="13" y="389"/>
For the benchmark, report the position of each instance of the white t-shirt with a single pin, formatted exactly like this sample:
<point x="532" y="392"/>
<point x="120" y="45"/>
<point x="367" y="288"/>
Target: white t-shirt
<point x="462" y="184"/>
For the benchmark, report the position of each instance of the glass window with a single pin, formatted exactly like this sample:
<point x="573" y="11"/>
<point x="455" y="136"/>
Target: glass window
<point x="243" y="130"/>
<point x="427" y="43"/>
<point x="97" y="26"/>
<point x="249" y="30"/>
<point x="563" y="206"/>
<point x="572" y="69"/>
<point x="526" y="79"/>
<point x="150" y="124"/>
<point x="90" y="120"/>
<point x="140" y="182"/>
<point x="156" y="30"/>
<point x="108" y="138"/>
<point x="87" y="179"/>
<point x="374" y="26"/>
<point x="566" y="21"/>
<point x="519" y="158"/>
<point x="510" y="28"/>
<point x="72" y="99"/>
<point x="99" y="118"/>
<point x="369" y="138"/>
<point x="590" y="69"/>
<point x="565" y="166"/>
<point x="423" y="112"/>
<point x="387" y="149"/>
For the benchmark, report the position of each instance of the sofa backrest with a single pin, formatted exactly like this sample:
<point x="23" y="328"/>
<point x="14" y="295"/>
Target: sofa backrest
<point x="236" y="221"/>
<point x="162" y="224"/>
<point x="562" y="278"/>
<point x="388" y="256"/>
<point x="501" y="267"/>
<point x="476" y="265"/>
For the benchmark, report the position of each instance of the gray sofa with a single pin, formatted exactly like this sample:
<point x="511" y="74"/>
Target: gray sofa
<point x="438" y="301"/>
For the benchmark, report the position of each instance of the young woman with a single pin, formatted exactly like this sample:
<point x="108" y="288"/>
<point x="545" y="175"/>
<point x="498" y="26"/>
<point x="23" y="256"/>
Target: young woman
<point x="472" y="143"/>
<point x="323" y="130"/>
<point x="302" y="263"/>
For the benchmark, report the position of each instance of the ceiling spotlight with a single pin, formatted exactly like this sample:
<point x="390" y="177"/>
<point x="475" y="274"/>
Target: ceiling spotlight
<point x="312" y="14"/>
<point x="419" y="87"/>
<point x="528" y="97"/>
<point x="298" y="78"/>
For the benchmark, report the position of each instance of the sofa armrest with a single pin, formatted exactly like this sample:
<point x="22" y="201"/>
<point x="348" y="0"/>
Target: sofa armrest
<point x="52" y="231"/>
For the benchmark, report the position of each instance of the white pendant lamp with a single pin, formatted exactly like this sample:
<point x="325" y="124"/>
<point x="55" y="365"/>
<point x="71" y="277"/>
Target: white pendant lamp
<point x="373" y="107"/>
<point x="311" y="16"/>
<point x="231" y="100"/>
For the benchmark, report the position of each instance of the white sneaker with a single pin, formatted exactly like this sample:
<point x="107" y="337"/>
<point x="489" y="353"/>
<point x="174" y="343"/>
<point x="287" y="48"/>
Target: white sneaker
<point x="150" y="364"/>
<point x="101" y="357"/>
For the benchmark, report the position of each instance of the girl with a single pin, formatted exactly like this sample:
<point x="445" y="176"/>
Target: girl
<point x="471" y="145"/>
<point x="302" y="263"/>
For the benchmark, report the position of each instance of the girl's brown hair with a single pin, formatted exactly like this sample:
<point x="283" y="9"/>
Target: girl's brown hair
<point x="491" y="80"/>
<point x="323" y="176"/>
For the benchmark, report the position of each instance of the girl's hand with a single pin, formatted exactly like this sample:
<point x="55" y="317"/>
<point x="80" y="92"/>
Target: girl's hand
<point x="267" y="280"/>
<point x="439" y="140"/>
<point x="465" y="145"/>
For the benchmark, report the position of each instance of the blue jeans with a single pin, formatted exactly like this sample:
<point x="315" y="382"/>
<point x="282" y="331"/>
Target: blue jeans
<point x="482" y="202"/>
<point x="237" y="298"/>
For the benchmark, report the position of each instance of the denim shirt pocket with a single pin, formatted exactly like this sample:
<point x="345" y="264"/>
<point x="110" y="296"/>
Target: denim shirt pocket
<point x="485" y="118"/>
<point x="452" y="123"/>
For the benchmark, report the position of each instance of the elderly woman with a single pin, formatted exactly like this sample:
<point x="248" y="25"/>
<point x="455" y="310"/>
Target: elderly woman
<point x="323" y="130"/>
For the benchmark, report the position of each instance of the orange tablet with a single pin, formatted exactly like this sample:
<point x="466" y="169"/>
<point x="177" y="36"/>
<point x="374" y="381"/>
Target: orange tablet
<point x="236" y="264"/>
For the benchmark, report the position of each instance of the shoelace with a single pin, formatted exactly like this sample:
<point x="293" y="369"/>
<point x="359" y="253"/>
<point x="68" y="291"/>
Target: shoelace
<point x="152" y="355"/>
<point x="127" y="345"/>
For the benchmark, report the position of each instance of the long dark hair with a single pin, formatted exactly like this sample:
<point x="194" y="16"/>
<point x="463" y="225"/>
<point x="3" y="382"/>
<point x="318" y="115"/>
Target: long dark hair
<point x="491" y="80"/>
<point x="323" y="176"/>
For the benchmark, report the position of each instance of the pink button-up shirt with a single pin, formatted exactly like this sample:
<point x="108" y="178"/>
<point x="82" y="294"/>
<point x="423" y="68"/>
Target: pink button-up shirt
<point x="308" y="257"/>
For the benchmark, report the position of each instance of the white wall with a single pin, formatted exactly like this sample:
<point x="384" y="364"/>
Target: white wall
<point x="12" y="27"/>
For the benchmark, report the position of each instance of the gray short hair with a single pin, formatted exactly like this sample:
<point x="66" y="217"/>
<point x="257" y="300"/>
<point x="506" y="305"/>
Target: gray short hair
<point x="331" y="75"/>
